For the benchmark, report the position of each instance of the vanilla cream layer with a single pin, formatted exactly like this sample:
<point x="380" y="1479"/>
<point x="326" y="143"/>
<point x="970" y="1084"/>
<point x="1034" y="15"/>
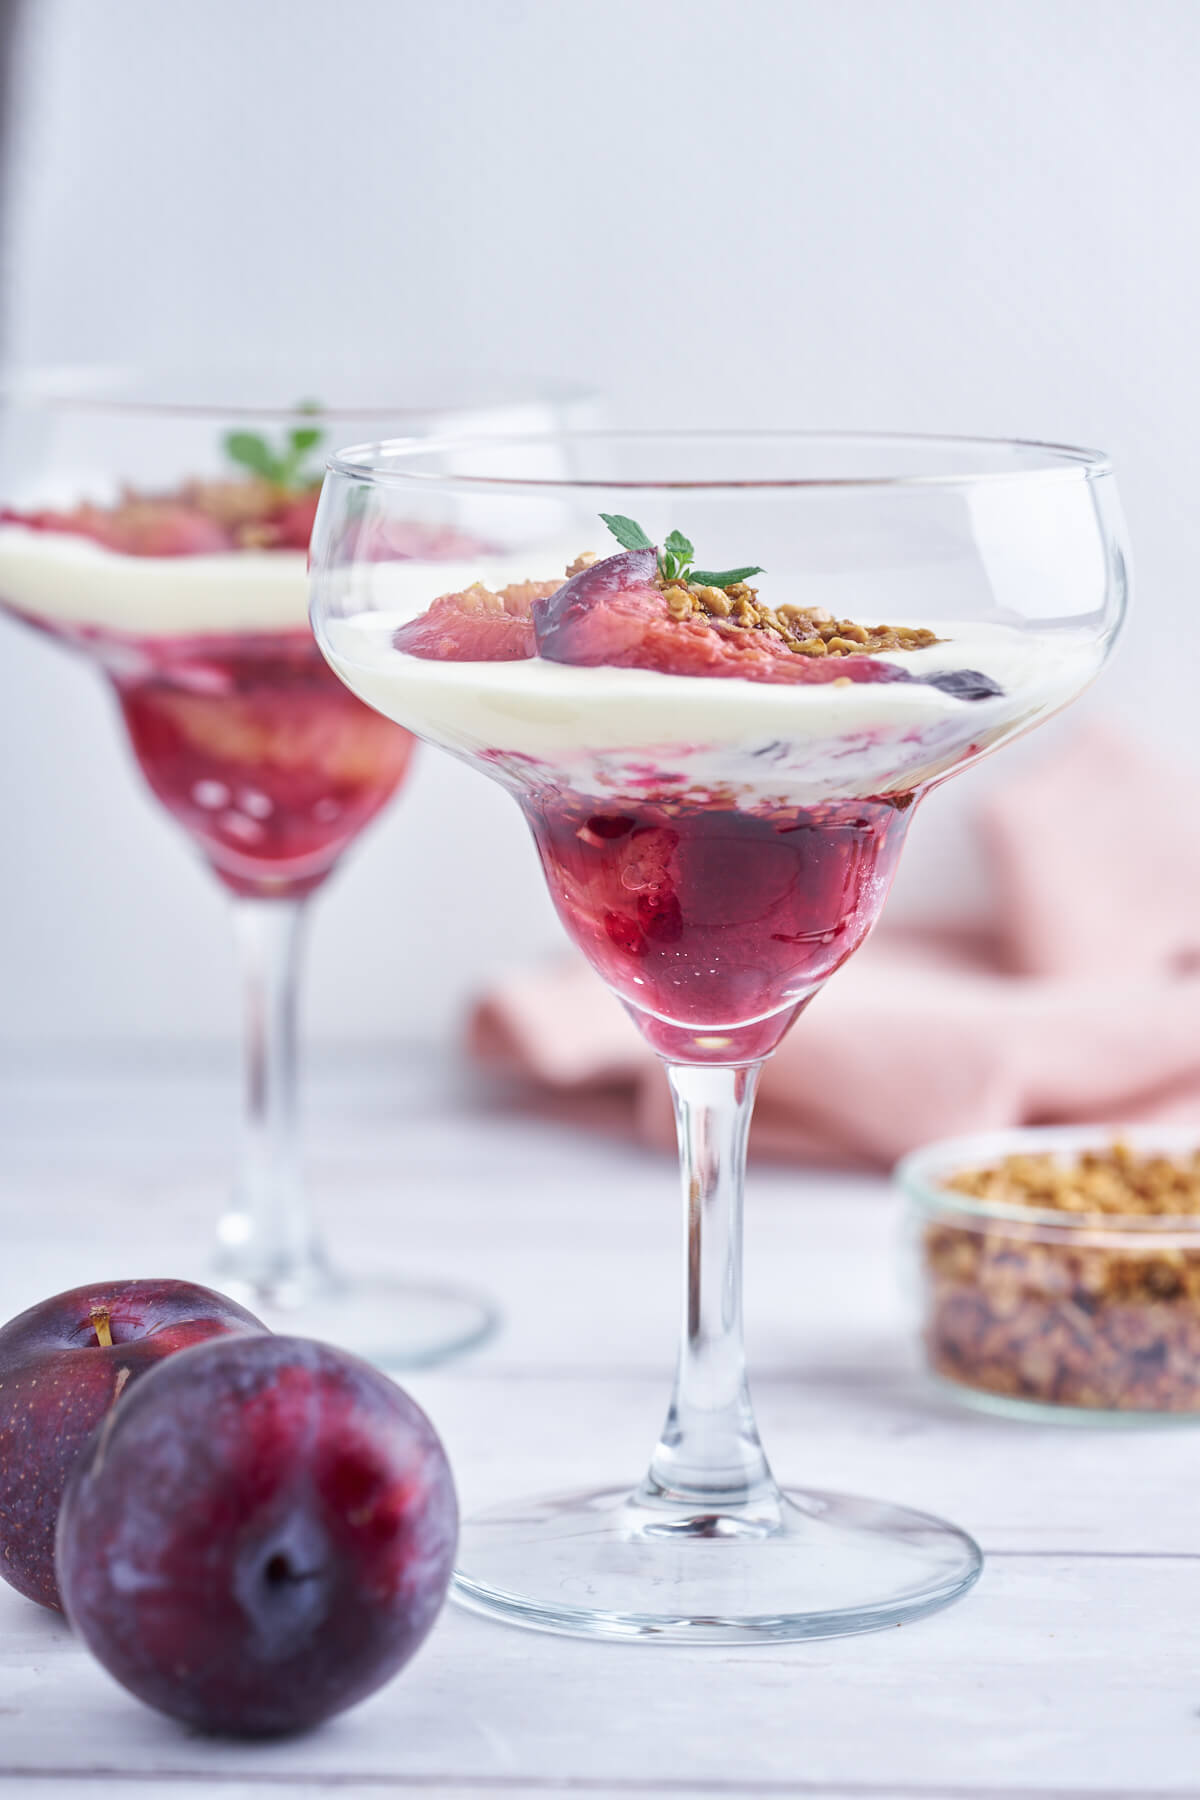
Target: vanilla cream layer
<point x="610" y="730"/>
<point x="64" y="580"/>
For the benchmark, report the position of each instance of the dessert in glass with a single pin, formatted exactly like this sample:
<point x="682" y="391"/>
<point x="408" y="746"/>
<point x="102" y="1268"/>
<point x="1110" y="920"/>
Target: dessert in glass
<point x="717" y="672"/>
<point x="160" y="525"/>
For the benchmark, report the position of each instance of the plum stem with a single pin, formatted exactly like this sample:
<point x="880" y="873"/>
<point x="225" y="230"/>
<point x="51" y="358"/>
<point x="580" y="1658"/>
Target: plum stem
<point x="102" y="1325"/>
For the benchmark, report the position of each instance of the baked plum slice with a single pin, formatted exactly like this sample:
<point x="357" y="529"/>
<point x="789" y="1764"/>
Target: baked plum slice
<point x="158" y="526"/>
<point x="650" y="608"/>
<point x="616" y="614"/>
<point x="476" y="625"/>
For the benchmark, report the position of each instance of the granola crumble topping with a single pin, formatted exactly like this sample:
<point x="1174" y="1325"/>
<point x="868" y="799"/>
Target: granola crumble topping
<point x="806" y="630"/>
<point x="1118" y="1180"/>
<point x="1077" y="1314"/>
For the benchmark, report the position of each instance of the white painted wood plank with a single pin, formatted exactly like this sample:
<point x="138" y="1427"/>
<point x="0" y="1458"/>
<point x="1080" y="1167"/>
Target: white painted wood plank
<point x="577" y="1234"/>
<point x="1071" y="1669"/>
<point x="1016" y="1488"/>
<point x="1075" y="1675"/>
<point x="586" y="1273"/>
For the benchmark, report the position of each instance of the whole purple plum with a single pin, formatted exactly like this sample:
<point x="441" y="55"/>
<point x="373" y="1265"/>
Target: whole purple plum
<point x="260" y="1536"/>
<point x="63" y="1364"/>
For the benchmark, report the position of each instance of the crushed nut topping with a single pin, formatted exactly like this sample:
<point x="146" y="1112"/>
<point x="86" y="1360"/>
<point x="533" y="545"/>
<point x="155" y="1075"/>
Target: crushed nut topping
<point x="241" y="505"/>
<point x="515" y="599"/>
<point x="1117" y="1180"/>
<point x="1070" y="1315"/>
<point x="808" y="630"/>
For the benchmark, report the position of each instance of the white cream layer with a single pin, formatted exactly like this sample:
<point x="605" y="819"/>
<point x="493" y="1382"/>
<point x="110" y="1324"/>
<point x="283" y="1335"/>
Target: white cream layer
<point x="601" y="727"/>
<point x="64" y="580"/>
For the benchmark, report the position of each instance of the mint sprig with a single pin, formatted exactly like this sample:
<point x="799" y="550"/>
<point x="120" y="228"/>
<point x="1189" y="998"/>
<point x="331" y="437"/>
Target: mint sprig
<point x="721" y="578"/>
<point x="676" y="557"/>
<point x="283" y="468"/>
<point x="627" y="532"/>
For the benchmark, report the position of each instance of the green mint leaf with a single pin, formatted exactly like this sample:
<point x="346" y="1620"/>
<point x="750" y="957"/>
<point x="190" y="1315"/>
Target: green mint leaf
<point x="283" y="468"/>
<point x="678" y="546"/>
<point x="627" y="532"/>
<point x="722" y="578"/>
<point x="253" y="453"/>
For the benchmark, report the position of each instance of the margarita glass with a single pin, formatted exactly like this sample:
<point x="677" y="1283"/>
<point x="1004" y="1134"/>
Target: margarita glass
<point x="717" y="673"/>
<point x="160" y="525"/>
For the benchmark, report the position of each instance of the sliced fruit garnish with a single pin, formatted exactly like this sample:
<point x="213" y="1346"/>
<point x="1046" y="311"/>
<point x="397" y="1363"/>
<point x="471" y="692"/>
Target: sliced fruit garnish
<point x="647" y="608"/>
<point x="136" y="527"/>
<point x="618" y="613"/>
<point x="476" y="625"/>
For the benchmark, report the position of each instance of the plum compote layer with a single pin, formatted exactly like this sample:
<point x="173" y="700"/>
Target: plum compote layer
<point x="247" y="737"/>
<point x="715" y="923"/>
<point x="257" y="749"/>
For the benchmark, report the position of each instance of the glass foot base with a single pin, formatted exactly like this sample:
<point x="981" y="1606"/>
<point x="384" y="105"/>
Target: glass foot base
<point x="395" y="1324"/>
<point x="612" y="1564"/>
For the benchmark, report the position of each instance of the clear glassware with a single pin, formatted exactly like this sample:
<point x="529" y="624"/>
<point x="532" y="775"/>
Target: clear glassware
<point x="158" y="522"/>
<point x="718" y="795"/>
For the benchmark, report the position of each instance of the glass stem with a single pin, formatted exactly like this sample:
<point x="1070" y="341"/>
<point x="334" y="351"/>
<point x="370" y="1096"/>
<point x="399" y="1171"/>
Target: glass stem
<point x="709" y="1454"/>
<point x="268" y="1249"/>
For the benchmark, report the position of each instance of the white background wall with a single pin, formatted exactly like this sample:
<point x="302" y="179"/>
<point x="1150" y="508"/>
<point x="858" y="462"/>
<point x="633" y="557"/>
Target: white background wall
<point x="937" y="215"/>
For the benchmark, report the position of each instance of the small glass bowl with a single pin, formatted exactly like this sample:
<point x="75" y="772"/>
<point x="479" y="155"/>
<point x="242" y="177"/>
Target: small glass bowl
<point x="1092" y="1318"/>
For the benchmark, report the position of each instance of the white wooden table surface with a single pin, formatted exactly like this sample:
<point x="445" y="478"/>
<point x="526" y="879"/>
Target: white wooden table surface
<point x="1074" y="1667"/>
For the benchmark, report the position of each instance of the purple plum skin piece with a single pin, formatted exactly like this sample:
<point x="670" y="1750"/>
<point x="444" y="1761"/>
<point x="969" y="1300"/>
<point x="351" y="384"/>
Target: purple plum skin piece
<point x="556" y="621"/>
<point x="965" y="684"/>
<point x="261" y="1536"/>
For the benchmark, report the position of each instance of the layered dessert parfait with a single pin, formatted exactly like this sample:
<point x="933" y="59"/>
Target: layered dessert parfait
<point x="718" y="776"/>
<point x="195" y="604"/>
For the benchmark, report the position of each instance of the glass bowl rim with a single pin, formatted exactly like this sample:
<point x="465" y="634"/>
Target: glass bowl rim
<point x="914" y="1175"/>
<point x="85" y="387"/>
<point x="1065" y="462"/>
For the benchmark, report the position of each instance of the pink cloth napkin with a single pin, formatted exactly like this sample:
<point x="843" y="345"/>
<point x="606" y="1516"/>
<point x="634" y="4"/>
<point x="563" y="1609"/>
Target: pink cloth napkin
<point x="1078" y="999"/>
